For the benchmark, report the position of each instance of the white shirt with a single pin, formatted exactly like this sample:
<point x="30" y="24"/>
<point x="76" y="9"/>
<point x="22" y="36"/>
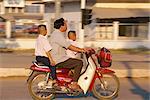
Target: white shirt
<point x="71" y="53"/>
<point x="42" y="46"/>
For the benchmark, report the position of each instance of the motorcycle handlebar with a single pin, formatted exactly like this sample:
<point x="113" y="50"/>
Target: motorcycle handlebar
<point x="90" y="51"/>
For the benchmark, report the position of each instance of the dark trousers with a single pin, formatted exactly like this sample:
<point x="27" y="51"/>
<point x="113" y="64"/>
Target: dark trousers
<point x="72" y="63"/>
<point x="46" y="62"/>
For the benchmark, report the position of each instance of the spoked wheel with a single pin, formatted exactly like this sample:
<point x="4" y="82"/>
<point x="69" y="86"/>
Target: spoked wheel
<point x="106" y="87"/>
<point x="36" y="87"/>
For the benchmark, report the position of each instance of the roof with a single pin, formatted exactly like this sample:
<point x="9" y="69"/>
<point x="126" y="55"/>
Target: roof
<point x="12" y="17"/>
<point x="123" y="1"/>
<point x="53" y="1"/>
<point x="2" y="19"/>
<point x="119" y="13"/>
<point x="6" y="17"/>
<point x="24" y="16"/>
<point x="124" y="20"/>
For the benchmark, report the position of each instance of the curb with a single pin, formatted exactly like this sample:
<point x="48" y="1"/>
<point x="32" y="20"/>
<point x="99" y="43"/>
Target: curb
<point x="6" y="72"/>
<point x="134" y="73"/>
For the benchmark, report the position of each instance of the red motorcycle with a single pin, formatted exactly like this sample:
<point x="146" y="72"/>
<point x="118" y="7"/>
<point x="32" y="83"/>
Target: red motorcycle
<point x="102" y="82"/>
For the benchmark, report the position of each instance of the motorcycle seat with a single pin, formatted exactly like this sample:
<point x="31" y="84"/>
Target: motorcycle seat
<point x="39" y="64"/>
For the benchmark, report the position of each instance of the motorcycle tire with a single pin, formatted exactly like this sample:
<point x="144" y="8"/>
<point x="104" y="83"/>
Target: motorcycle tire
<point x="101" y="91"/>
<point x="41" y="76"/>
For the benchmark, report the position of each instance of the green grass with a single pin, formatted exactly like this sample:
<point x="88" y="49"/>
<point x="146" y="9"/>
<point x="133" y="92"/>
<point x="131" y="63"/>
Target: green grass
<point x="117" y="51"/>
<point x="6" y="50"/>
<point x="131" y="51"/>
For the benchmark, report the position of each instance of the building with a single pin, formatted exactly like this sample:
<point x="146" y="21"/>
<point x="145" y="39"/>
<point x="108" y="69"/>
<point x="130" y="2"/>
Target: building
<point x="122" y="24"/>
<point x="116" y="23"/>
<point x="21" y="16"/>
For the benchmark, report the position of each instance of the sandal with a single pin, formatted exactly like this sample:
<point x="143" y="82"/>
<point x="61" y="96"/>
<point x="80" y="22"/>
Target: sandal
<point x="75" y="86"/>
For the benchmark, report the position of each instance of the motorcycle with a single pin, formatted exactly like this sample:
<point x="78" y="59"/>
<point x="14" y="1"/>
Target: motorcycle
<point x="102" y="82"/>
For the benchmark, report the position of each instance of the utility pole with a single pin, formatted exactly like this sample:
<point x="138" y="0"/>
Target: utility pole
<point x="57" y="8"/>
<point x="81" y="34"/>
<point x="8" y="29"/>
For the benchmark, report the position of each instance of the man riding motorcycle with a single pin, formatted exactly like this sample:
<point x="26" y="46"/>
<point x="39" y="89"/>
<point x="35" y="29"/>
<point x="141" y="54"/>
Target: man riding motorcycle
<point x="59" y="45"/>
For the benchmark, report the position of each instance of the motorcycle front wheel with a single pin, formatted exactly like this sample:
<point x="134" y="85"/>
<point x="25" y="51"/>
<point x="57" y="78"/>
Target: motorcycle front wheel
<point x="36" y="87"/>
<point x="106" y="87"/>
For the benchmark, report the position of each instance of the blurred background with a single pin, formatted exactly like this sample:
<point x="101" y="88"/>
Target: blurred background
<point x="115" y="24"/>
<point x="123" y="26"/>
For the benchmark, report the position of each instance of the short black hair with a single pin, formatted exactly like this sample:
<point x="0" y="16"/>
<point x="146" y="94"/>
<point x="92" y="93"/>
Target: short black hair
<point x="71" y="31"/>
<point x="58" y="23"/>
<point x="42" y="25"/>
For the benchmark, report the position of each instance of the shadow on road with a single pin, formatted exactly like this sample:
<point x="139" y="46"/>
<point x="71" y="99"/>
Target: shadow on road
<point x="136" y="88"/>
<point x="89" y="94"/>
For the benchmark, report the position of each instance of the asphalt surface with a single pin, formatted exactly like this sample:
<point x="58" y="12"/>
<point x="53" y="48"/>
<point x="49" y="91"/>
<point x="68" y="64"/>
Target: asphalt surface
<point x="15" y="60"/>
<point x="120" y="61"/>
<point x="15" y="88"/>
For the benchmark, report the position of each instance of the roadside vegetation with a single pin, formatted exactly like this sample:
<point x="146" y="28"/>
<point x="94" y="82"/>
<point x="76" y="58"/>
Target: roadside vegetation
<point x="140" y="50"/>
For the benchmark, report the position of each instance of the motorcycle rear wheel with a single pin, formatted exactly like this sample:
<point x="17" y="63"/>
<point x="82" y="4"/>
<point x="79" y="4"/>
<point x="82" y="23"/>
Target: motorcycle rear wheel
<point x="109" y="89"/>
<point x="33" y="87"/>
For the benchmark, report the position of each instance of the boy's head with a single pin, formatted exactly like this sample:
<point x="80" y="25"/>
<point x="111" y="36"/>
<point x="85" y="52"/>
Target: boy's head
<point x="60" y="24"/>
<point x="42" y="29"/>
<point x="72" y="35"/>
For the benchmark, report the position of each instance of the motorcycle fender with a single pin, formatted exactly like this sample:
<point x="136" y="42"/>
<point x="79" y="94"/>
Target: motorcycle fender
<point x="102" y="71"/>
<point x="30" y="74"/>
<point x="86" y="78"/>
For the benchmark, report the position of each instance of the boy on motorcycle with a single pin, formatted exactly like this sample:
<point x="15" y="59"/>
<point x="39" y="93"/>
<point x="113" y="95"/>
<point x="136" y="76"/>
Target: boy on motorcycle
<point x="43" y="51"/>
<point x="59" y="45"/>
<point x="72" y="40"/>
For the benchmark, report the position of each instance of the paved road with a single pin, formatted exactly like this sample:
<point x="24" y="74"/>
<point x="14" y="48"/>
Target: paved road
<point x="14" y="60"/>
<point x="120" y="61"/>
<point x="14" y="88"/>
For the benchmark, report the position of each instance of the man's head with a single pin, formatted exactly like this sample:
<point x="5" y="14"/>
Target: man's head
<point x="60" y="24"/>
<point x="42" y="30"/>
<point x="72" y="35"/>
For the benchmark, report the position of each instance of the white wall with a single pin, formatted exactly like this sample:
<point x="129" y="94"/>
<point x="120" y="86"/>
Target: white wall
<point x="72" y="12"/>
<point x="72" y="16"/>
<point x="17" y="43"/>
<point x="113" y="44"/>
<point x="69" y="11"/>
<point x="119" y="44"/>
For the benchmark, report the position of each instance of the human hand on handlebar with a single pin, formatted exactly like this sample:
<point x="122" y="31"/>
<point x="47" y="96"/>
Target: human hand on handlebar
<point x="86" y="50"/>
<point x="83" y="50"/>
<point x="89" y="50"/>
<point x="53" y="63"/>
